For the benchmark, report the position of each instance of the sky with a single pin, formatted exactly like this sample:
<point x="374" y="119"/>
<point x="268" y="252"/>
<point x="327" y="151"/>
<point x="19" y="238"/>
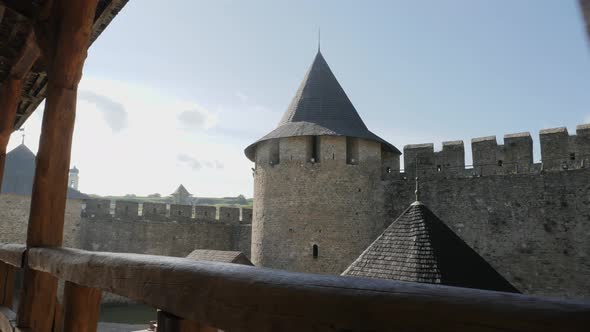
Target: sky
<point x="174" y="93"/>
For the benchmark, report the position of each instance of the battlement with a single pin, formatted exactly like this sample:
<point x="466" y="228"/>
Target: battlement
<point x="134" y="211"/>
<point x="317" y="149"/>
<point x="559" y="151"/>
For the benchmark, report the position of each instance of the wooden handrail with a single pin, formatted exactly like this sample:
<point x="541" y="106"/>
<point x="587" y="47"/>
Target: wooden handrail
<point x="258" y="299"/>
<point x="12" y="254"/>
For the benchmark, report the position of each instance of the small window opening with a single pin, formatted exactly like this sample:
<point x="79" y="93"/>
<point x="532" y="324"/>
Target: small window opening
<point x="500" y="163"/>
<point x="179" y="213"/>
<point x="228" y="214"/>
<point x="315" y="251"/>
<point x="352" y="150"/>
<point x="572" y="156"/>
<point x="154" y="210"/>
<point x="315" y="149"/>
<point x="205" y="213"/>
<point x="98" y="206"/>
<point x="438" y="168"/>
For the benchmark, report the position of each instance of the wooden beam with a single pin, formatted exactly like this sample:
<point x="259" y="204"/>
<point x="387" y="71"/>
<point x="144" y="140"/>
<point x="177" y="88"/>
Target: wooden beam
<point x="10" y="94"/>
<point x="7" y="275"/>
<point x="81" y="308"/>
<point x="64" y="47"/>
<point x="9" y="98"/>
<point x="232" y="296"/>
<point x="12" y="254"/>
<point x="23" y="8"/>
<point x="28" y="56"/>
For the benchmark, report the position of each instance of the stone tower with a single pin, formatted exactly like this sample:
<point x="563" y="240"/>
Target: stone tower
<point x="318" y="188"/>
<point x="73" y="178"/>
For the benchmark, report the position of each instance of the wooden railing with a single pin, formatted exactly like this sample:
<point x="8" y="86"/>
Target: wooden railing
<point x="243" y="298"/>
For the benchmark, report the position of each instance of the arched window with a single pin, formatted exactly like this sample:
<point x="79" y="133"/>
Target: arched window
<point x="315" y="251"/>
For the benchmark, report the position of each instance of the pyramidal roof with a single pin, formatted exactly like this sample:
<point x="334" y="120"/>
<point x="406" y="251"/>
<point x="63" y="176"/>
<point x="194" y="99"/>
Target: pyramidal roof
<point x="321" y="107"/>
<point x="419" y="247"/>
<point x="181" y="190"/>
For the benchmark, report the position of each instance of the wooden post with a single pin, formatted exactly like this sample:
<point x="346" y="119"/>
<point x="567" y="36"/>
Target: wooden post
<point x="81" y="308"/>
<point x="63" y="37"/>
<point x="10" y="94"/>
<point x="168" y="322"/>
<point x="7" y="274"/>
<point x="9" y="99"/>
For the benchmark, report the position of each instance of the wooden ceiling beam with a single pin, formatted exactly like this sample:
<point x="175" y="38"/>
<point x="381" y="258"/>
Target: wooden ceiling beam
<point x="23" y="8"/>
<point x="28" y="56"/>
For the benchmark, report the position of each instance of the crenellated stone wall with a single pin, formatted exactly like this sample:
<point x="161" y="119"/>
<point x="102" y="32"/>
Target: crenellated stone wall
<point x="163" y="229"/>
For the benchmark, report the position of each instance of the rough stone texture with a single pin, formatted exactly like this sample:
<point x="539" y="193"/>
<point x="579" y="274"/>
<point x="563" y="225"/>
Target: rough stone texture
<point x="229" y="215"/>
<point x="533" y="228"/>
<point x="181" y="212"/>
<point x="14" y="218"/>
<point x="162" y="237"/>
<point x="298" y="204"/>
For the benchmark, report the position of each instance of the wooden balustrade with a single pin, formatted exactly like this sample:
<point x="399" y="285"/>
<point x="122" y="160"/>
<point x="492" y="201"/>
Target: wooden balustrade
<point x="244" y="298"/>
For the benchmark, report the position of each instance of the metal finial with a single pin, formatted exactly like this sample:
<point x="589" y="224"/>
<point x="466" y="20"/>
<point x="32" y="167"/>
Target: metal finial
<point x="319" y="39"/>
<point x="23" y="136"/>
<point x="417" y="191"/>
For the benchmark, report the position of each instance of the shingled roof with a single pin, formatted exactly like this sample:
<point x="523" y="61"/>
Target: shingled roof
<point x="181" y="191"/>
<point x="223" y="256"/>
<point x="419" y="247"/>
<point x="321" y="107"/>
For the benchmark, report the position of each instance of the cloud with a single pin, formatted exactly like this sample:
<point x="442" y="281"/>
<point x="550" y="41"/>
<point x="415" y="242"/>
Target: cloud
<point x="197" y="164"/>
<point x="197" y="119"/>
<point x="113" y="112"/>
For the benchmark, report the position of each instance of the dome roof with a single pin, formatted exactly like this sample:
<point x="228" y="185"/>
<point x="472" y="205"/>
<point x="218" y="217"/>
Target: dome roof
<point x="321" y="107"/>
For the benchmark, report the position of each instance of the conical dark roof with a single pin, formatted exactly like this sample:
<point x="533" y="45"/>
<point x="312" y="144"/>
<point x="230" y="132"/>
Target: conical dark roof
<point x="19" y="173"/>
<point x="419" y="247"/>
<point x="321" y="107"/>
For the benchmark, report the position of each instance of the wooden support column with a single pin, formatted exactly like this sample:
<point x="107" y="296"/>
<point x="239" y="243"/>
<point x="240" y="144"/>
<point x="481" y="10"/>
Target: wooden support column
<point x="10" y="94"/>
<point x="7" y="275"/>
<point x="81" y="308"/>
<point x="170" y="323"/>
<point x="9" y="99"/>
<point x="63" y="37"/>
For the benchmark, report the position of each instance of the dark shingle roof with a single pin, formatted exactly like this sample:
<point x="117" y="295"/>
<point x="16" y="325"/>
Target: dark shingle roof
<point x="419" y="247"/>
<point x="321" y="107"/>
<point x="223" y="256"/>
<point x="19" y="173"/>
<point x="181" y="190"/>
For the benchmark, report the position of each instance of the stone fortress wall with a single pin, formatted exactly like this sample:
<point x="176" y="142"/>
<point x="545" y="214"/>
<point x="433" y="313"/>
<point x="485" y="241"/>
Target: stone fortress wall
<point x="531" y="221"/>
<point x="318" y="201"/>
<point x="163" y="229"/>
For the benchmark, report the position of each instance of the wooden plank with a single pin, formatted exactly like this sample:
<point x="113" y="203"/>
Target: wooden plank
<point x="12" y="254"/>
<point x="63" y="37"/>
<point x="28" y="56"/>
<point x="231" y="296"/>
<point x="7" y="276"/>
<point x="81" y="308"/>
<point x="7" y="319"/>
